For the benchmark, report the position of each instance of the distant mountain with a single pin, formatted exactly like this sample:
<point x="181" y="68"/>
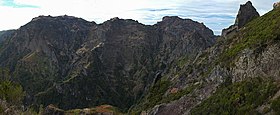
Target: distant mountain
<point x="68" y="65"/>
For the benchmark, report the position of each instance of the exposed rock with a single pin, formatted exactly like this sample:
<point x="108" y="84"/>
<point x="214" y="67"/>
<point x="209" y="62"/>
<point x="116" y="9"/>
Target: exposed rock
<point x="246" y="13"/>
<point x="5" y="35"/>
<point x="230" y="31"/>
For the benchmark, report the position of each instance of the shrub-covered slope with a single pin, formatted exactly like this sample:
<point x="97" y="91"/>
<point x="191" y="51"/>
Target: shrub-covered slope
<point x="238" y="75"/>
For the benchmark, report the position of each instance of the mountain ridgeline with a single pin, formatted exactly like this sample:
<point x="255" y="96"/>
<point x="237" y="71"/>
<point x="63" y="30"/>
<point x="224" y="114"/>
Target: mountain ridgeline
<point x="176" y="66"/>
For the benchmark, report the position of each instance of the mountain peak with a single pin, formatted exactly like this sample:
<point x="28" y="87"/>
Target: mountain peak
<point x="63" y="19"/>
<point x="165" y="18"/>
<point x="54" y="17"/>
<point x="246" y="13"/>
<point x="248" y="3"/>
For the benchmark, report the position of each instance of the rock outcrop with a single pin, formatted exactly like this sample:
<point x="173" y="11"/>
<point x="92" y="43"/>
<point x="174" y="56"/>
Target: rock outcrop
<point x="246" y="13"/>
<point x="6" y="34"/>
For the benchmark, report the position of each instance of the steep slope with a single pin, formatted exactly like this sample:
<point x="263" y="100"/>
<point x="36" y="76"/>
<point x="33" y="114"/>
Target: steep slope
<point x="253" y="54"/>
<point x="72" y="63"/>
<point x="238" y="75"/>
<point x="37" y="54"/>
<point x="5" y="34"/>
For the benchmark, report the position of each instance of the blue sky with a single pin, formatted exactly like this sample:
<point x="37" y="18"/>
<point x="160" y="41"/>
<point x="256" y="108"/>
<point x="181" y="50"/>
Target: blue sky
<point x="215" y="14"/>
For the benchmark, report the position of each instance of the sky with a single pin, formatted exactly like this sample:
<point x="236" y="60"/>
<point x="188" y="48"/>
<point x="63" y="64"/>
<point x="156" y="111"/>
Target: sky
<point x="215" y="14"/>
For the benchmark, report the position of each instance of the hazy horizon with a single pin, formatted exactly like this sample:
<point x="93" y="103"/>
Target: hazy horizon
<point x="215" y="14"/>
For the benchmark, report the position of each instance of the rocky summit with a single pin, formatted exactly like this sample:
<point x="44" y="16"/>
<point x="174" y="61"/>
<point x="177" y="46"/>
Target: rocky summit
<point x="246" y="13"/>
<point x="67" y="65"/>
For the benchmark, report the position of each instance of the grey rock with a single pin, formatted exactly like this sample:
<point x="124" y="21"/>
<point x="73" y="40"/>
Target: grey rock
<point x="80" y="63"/>
<point x="246" y="13"/>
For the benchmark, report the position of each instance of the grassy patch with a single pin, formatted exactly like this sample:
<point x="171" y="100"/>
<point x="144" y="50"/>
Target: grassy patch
<point x="157" y="95"/>
<point x="182" y="61"/>
<point x="275" y="106"/>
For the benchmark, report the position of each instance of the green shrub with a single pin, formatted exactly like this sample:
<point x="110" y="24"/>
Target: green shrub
<point x="11" y="92"/>
<point x="276" y="105"/>
<point x="237" y="98"/>
<point x="156" y="93"/>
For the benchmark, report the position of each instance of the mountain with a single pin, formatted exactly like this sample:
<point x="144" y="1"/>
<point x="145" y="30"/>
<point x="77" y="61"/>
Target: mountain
<point x="73" y="63"/>
<point x="68" y="65"/>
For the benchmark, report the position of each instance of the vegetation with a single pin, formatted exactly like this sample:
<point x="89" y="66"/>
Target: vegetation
<point x="11" y="92"/>
<point x="237" y="98"/>
<point x="178" y="95"/>
<point x="182" y="61"/>
<point x="275" y="105"/>
<point x="158" y="95"/>
<point x="12" y="95"/>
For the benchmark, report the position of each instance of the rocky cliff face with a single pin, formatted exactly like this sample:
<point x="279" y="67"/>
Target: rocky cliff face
<point x="246" y="13"/>
<point x="6" y="34"/>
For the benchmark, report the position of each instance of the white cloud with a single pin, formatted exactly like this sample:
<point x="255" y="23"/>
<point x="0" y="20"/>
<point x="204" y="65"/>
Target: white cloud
<point x="146" y="11"/>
